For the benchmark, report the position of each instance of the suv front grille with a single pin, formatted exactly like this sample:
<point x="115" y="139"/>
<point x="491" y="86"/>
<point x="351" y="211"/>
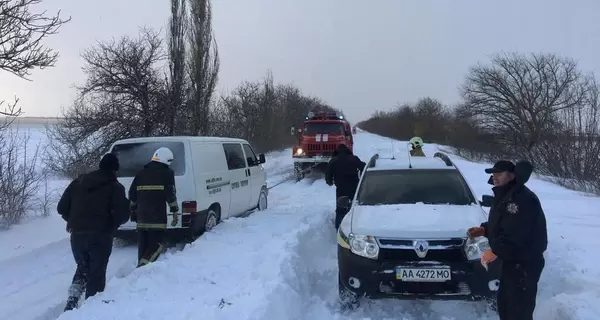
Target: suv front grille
<point x="449" y="255"/>
<point x="456" y="242"/>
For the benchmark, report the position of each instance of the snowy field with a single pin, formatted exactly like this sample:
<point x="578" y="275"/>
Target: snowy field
<point x="280" y="264"/>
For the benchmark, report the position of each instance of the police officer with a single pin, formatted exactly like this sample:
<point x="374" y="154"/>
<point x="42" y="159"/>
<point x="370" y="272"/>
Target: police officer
<point x="150" y="189"/>
<point x="516" y="230"/>
<point x="416" y="144"/>
<point x="343" y="170"/>
<point x="94" y="206"/>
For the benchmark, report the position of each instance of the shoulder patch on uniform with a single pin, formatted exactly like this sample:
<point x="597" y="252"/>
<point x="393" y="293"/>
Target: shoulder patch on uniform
<point x="512" y="208"/>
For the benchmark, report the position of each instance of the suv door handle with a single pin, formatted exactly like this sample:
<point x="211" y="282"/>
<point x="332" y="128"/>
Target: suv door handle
<point x="248" y="173"/>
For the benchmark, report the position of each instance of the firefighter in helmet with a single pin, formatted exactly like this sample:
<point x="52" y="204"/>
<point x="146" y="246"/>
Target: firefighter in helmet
<point x="150" y="189"/>
<point x="417" y="147"/>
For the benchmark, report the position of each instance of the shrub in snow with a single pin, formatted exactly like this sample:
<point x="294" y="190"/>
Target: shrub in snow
<point x="20" y="177"/>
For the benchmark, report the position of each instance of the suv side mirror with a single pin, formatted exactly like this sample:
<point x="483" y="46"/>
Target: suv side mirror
<point x="261" y="158"/>
<point x="343" y="202"/>
<point x="292" y="130"/>
<point x="486" y="201"/>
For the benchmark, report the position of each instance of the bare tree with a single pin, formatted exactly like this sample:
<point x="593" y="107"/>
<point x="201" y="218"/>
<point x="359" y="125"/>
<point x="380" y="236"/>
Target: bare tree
<point x="123" y="97"/>
<point x="517" y="96"/>
<point x="177" y="60"/>
<point x="21" y="35"/>
<point x="427" y="118"/>
<point x="204" y="65"/>
<point x="20" y="178"/>
<point x="263" y="113"/>
<point x="125" y="72"/>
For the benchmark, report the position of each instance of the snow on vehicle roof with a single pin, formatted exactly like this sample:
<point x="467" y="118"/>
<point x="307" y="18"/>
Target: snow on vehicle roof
<point x="180" y="138"/>
<point x="417" y="163"/>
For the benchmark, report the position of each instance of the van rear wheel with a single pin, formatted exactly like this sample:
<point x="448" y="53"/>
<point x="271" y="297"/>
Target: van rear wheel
<point x="212" y="219"/>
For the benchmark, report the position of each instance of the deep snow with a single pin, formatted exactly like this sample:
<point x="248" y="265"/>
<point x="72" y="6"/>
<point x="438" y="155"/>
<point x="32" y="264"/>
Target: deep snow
<point x="281" y="264"/>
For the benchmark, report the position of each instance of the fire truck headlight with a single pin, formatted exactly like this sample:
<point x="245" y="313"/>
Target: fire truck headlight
<point x="299" y="151"/>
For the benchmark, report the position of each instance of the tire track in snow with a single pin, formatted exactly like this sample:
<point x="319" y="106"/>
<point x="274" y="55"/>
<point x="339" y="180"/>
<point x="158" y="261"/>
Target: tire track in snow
<point x="121" y="270"/>
<point x="35" y="285"/>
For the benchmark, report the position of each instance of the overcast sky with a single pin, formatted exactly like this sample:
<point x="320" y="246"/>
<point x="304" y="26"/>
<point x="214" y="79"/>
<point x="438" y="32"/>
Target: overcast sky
<point x="359" y="56"/>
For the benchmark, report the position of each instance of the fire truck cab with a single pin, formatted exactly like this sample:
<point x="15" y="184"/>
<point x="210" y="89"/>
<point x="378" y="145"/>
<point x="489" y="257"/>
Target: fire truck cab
<point x="319" y="137"/>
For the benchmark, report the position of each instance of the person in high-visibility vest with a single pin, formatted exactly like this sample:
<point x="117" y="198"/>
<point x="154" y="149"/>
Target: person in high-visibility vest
<point x="417" y="147"/>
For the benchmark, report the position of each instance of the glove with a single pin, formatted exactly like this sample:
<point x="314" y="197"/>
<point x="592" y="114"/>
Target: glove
<point x="475" y="232"/>
<point x="487" y="257"/>
<point x="175" y="219"/>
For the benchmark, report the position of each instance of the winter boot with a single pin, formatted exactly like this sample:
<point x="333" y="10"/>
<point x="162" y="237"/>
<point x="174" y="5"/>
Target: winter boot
<point x="72" y="303"/>
<point x="76" y="290"/>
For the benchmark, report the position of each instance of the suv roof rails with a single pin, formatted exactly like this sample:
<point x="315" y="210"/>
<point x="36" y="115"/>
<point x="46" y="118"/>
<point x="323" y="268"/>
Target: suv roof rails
<point x="444" y="158"/>
<point x="373" y="161"/>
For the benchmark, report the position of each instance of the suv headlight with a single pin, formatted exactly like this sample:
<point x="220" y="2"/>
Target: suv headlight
<point x="474" y="248"/>
<point x="299" y="152"/>
<point x="365" y="246"/>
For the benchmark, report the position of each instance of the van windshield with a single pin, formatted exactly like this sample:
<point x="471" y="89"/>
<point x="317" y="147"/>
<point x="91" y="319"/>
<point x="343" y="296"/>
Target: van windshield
<point x="134" y="156"/>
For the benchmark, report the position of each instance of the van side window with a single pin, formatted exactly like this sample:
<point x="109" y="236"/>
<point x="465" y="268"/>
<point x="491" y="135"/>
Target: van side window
<point x="250" y="156"/>
<point x="234" y="156"/>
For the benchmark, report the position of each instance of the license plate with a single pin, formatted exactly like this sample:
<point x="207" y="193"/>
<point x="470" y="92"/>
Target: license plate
<point x="423" y="274"/>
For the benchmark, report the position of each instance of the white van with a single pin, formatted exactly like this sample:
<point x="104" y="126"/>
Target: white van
<point x="216" y="178"/>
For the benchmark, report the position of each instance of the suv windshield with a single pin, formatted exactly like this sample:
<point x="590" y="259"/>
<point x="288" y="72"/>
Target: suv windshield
<point x="134" y="156"/>
<point x="432" y="186"/>
<point x="328" y="128"/>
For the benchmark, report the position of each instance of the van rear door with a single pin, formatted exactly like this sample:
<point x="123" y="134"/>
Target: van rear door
<point x="133" y="156"/>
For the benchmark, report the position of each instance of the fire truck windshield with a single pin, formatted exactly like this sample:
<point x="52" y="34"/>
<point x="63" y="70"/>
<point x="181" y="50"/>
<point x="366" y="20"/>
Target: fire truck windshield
<point x="328" y="128"/>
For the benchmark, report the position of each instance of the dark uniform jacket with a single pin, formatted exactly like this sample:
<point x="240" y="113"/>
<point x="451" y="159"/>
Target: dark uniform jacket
<point x="344" y="170"/>
<point x="516" y="227"/>
<point x="94" y="203"/>
<point x="417" y="152"/>
<point x="150" y="190"/>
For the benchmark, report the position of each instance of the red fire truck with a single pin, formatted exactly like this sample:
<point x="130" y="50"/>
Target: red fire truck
<point x="321" y="134"/>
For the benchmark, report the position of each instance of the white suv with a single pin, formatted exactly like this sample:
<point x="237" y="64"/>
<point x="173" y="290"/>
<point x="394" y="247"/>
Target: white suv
<point x="405" y="234"/>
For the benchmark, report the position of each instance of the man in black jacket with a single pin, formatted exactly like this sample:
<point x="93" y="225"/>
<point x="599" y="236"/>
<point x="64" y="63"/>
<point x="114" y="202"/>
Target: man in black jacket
<point x="516" y="230"/>
<point x="150" y="189"/>
<point x="344" y="170"/>
<point x="94" y="206"/>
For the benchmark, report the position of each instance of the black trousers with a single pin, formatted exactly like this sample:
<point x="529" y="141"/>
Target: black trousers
<point x="91" y="253"/>
<point x="150" y="245"/>
<point x="518" y="289"/>
<point x="340" y="213"/>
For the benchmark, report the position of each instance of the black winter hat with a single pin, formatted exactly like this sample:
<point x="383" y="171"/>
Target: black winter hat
<point x="342" y="148"/>
<point x="109" y="162"/>
<point x="501" y="166"/>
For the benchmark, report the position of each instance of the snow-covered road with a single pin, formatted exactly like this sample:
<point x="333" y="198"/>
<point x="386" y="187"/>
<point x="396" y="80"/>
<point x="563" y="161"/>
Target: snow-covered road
<point x="34" y="285"/>
<point x="281" y="264"/>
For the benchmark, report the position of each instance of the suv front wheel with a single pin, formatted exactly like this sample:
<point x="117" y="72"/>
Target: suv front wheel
<point x="348" y="299"/>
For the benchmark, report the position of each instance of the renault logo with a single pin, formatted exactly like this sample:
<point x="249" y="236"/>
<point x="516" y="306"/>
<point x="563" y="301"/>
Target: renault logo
<point x="421" y="247"/>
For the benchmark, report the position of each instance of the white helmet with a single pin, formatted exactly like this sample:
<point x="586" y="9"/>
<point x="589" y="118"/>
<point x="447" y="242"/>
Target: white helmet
<point x="163" y="155"/>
